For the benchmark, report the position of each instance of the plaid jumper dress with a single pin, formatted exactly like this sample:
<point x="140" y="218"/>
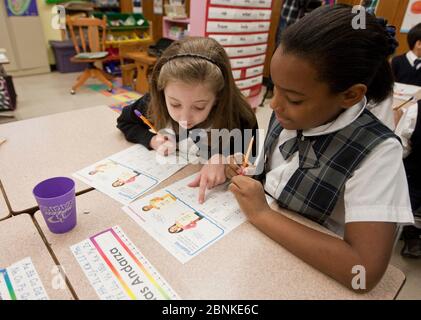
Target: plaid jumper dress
<point x="326" y="162"/>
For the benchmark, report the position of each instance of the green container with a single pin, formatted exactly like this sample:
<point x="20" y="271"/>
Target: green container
<point x="113" y="17"/>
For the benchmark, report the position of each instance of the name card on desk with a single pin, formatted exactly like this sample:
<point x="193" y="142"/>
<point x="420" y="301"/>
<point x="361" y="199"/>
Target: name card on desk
<point x="117" y="270"/>
<point x="21" y="281"/>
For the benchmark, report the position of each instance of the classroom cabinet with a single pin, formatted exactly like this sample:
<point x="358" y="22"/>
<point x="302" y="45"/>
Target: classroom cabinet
<point x="23" y="39"/>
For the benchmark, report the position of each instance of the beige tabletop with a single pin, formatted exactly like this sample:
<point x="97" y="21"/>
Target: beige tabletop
<point x="20" y="239"/>
<point x="55" y="145"/>
<point x="244" y="265"/>
<point x="4" y="211"/>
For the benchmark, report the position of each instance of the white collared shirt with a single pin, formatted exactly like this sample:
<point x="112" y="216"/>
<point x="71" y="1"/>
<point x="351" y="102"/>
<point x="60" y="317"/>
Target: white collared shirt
<point x="411" y="56"/>
<point x="384" y="111"/>
<point x="377" y="191"/>
<point x="406" y="127"/>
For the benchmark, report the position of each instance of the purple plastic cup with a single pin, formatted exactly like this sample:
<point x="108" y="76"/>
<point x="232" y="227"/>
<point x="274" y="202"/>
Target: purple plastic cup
<point x="57" y="202"/>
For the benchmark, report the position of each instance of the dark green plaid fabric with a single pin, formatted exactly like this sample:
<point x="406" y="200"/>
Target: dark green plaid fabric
<point x="326" y="162"/>
<point x="306" y="155"/>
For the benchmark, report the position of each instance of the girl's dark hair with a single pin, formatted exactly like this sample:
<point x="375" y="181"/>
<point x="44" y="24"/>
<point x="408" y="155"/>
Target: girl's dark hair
<point x="342" y="55"/>
<point x="414" y="35"/>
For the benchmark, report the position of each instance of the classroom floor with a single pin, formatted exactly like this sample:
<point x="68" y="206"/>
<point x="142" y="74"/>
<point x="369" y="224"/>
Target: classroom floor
<point x="46" y="94"/>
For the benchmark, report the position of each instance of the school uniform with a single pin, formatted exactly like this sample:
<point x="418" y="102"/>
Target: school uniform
<point x="383" y="111"/>
<point x="407" y="69"/>
<point x="191" y="143"/>
<point x="409" y="130"/>
<point x="348" y="170"/>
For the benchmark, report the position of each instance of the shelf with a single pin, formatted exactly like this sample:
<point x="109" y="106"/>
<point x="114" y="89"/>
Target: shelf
<point x="107" y="8"/>
<point x="167" y="23"/>
<point x="126" y="28"/>
<point x="113" y="16"/>
<point x="184" y="21"/>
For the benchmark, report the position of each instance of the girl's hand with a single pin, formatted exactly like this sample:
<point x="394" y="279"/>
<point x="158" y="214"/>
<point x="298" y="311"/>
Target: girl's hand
<point x="235" y="166"/>
<point x="397" y="115"/>
<point x="163" y="144"/>
<point x="250" y="196"/>
<point x="211" y="175"/>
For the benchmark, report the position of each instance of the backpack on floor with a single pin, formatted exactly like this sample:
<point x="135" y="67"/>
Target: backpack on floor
<point x="7" y="93"/>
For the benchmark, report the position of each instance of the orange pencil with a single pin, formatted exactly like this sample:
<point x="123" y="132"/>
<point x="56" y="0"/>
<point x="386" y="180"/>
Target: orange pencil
<point x="146" y="121"/>
<point x="246" y="158"/>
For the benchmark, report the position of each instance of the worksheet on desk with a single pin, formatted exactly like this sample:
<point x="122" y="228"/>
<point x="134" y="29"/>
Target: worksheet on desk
<point x="174" y="217"/>
<point x="404" y="91"/>
<point x="130" y="173"/>
<point x="20" y="281"/>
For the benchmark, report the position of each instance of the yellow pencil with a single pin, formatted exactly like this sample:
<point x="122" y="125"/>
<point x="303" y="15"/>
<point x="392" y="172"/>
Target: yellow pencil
<point x="415" y="98"/>
<point x="403" y="104"/>
<point x="146" y="121"/>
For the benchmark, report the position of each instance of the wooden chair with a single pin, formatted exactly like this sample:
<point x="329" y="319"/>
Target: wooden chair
<point x="88" y="37"/>
<point x="128" y="68"/>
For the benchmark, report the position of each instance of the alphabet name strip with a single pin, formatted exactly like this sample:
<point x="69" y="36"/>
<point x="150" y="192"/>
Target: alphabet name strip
<point x="117" y="270"/>
<point x="21" y="281"/>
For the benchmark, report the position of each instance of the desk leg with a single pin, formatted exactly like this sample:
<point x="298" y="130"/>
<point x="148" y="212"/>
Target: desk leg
<point x="142" y="85"/>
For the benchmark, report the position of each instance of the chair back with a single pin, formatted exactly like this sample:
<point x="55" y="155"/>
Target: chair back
<point x="87" y="34"/>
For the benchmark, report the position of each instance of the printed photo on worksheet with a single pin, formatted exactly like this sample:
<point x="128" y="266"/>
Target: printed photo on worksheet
<point x="174" y="217"/>
<point x="127" y="175"/>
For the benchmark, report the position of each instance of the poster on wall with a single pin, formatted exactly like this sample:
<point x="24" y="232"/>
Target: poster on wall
<point x="21" y="8"/>
<point x="412" y="15"/>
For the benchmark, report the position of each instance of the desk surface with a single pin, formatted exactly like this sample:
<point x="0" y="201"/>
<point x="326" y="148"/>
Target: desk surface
<point x="4" y="211"/>
<point x="56" y="145"/>
<point x="244" y="265"/>
<point x="140" y="57"/>
<point x="20" y="239"/>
